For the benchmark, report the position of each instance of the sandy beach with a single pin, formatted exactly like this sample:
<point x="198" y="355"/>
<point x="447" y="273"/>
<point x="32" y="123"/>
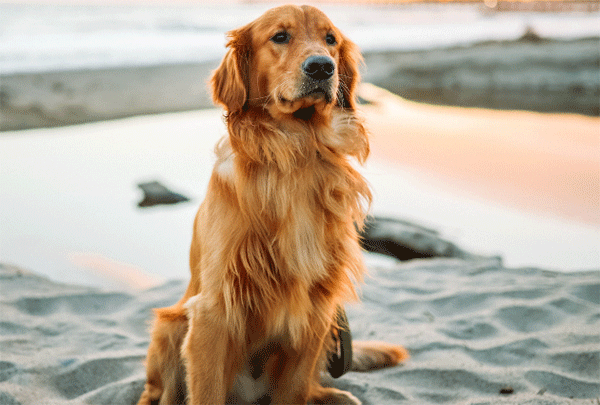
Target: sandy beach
<point x="478" y="333"/>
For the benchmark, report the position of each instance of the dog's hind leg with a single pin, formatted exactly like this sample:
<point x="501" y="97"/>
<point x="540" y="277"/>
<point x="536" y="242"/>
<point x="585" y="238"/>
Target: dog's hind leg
<point x="165" y="380"/>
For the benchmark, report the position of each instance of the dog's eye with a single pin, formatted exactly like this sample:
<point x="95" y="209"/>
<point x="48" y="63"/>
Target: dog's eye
<point x="282" y="37"/>
<point x="330" y="39"/>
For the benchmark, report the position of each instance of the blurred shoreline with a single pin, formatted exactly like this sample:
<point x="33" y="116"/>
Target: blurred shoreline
<point x="63" y="64"/>
<point x="526" y="74"/>
<point x="495" y="5"/>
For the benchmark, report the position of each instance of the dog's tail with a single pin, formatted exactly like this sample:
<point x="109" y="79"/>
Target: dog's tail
<point x="373" y="355"/>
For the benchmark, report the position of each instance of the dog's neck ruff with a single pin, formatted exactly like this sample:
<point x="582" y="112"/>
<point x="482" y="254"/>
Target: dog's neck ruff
<point x="297" y="198"/>
<point x="258" y="138"/>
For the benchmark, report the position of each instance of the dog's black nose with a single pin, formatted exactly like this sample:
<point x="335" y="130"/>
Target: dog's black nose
<point x="318" y="67"/>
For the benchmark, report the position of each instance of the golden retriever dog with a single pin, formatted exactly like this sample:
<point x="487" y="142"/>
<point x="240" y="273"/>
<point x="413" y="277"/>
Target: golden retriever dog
<point x="275" y="249"/>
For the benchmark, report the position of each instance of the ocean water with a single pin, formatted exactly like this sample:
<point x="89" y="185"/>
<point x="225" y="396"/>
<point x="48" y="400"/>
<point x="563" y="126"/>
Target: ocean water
<point x="68" y="204"/>
<point x="38" y="38"/>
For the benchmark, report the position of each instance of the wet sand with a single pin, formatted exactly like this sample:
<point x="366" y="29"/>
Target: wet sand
<point x="543" y="163"/>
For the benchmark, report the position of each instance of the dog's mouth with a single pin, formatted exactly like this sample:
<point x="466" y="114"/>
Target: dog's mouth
<point x="317" y="90"/>
<point x="319" y="93"/>
<point x="314" y="95"/>
<point x="311" y="97"/>
<point x="300" y="108"/>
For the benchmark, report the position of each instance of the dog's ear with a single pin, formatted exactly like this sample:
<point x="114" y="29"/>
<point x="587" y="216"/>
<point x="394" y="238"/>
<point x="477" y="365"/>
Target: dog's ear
<point x="229" y="82"/>
<point x="349" y="63"/>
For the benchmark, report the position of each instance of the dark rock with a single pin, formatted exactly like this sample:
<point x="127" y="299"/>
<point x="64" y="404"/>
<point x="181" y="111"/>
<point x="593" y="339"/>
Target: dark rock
<point x="405" y="241"/>
<point x="157" y="194"/>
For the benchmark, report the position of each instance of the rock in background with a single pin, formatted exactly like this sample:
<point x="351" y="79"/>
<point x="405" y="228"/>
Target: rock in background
<point x="529" y="74"/>
<point x="404" y="240"/>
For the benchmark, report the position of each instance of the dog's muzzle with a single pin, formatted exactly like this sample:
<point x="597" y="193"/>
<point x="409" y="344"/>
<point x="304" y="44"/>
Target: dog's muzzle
<point x="318" y="72"/>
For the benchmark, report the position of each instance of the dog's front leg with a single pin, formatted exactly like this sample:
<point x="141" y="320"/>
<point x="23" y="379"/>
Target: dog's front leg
<point x="297" y="374"/>
<point x="207" y="355"/>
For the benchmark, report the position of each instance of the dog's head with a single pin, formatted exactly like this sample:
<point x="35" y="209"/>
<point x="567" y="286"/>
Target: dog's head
<point x="291" y="61"/>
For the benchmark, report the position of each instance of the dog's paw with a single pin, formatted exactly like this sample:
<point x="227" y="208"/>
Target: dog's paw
<point x="333" y="396"/>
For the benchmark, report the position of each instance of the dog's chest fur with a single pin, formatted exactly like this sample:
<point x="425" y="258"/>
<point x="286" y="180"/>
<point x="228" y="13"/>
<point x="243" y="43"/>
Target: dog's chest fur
<point x="290" y="252"/>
